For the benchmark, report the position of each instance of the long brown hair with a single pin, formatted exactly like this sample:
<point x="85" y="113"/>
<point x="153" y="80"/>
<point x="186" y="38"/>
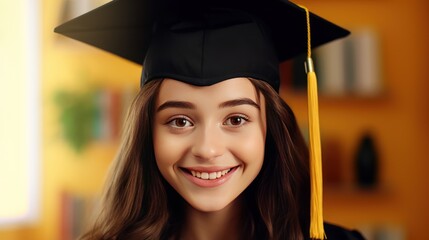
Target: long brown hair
<point x="139" y="204"/>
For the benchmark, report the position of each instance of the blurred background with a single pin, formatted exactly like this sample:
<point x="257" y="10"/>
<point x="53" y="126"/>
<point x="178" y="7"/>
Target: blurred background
<point x="62" y="105"/>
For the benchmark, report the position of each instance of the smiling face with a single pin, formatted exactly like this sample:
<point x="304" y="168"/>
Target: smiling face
<point x="209" y="141"/>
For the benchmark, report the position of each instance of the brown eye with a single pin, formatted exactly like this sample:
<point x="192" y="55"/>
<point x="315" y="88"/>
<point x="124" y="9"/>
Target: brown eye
<point x="180" y="123"/>
<point x="236" y="121"/>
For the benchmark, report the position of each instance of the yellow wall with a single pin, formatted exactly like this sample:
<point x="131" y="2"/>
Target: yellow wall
<point x="398" y="118"/>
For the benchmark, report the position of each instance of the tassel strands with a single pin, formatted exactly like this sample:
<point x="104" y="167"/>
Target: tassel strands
<point x="316" y="209"/>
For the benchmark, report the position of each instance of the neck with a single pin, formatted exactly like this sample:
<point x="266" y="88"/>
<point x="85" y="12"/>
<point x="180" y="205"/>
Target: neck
<point x="224" y="224"/>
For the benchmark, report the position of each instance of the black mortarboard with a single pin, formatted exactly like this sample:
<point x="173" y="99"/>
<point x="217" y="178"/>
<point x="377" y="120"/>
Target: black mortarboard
<point x="204" y="42"/>
<point x="184" y="37"/>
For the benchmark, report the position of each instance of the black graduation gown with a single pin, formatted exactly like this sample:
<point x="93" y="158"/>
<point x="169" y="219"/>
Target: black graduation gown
<point x="335" y="232"/>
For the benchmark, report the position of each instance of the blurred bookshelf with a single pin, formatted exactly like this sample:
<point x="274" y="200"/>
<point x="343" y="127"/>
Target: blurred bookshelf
<point x="396" y="206"/>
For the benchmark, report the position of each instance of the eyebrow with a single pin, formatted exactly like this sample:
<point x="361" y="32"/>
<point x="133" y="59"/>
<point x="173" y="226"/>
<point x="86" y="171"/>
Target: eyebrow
<point x="188" y="105"/>
<point x="240" y="101"/>
<point x="175" y="104"/>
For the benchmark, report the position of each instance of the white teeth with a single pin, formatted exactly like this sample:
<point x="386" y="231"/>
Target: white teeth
<point x="211" y="175"/>
<point x="204" y="175"/>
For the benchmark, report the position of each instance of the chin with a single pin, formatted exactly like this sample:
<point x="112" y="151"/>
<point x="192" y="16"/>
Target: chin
<point x="210" y="205"/>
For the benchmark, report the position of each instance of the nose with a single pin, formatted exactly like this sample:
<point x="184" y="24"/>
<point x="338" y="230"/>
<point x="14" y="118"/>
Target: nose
<point x="208" y="143"/>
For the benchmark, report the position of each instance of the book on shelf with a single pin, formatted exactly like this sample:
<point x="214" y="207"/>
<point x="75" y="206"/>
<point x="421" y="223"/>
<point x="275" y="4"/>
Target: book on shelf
<point x="349" y="66"/>
<point x="365" y="63"/>
<point x="74" y="213"/>
<point x="330" y="61"/>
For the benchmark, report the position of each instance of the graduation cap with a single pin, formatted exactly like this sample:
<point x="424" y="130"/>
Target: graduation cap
<point x="205" y="42"/>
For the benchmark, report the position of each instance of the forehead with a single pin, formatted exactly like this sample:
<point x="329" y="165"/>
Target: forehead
<point x="226" y="90"/>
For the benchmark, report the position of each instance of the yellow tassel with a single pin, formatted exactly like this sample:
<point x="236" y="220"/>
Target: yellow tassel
<point x="316" y="209"/>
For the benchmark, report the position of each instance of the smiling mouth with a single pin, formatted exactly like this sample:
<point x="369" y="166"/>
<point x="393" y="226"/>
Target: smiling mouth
<point x="209" y="175"/>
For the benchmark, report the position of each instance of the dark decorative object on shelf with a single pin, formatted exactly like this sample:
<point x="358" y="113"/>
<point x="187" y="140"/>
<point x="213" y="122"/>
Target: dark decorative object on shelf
<point x="366" y="162"/>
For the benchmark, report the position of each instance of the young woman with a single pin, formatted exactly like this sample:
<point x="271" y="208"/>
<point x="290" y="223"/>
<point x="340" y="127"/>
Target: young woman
<point x="210" y="150"/>
<point x="164" y="186"/>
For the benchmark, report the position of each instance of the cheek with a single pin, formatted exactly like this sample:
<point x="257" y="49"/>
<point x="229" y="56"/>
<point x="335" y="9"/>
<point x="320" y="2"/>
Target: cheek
<point x="164" y="150"/>
<point x="251" y="149"/>
<point x="168" y="150"/>
<point x="255" y="155"/>
<point x="256" y="151"/>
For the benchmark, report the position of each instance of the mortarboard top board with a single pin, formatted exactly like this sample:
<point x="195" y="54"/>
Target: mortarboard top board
<point x="126" y="28"/>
